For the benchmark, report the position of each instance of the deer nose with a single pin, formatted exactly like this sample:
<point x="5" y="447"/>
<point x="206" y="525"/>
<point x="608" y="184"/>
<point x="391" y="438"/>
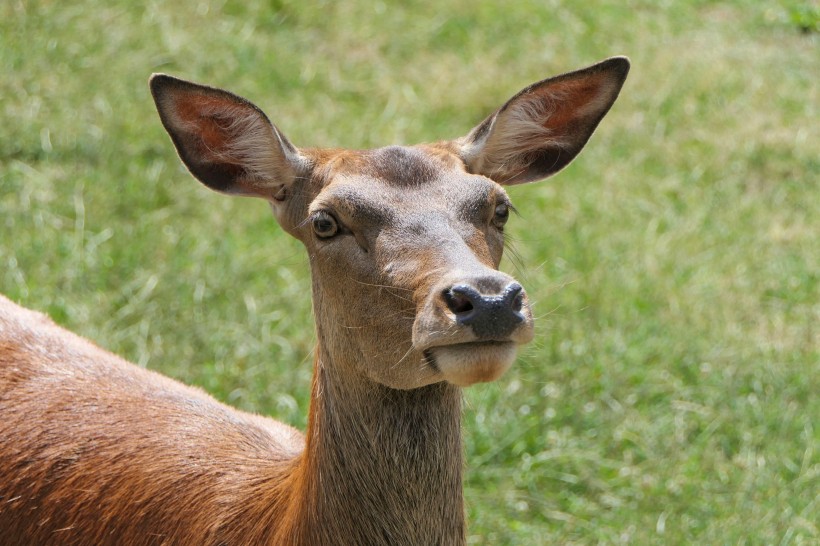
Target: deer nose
<point x="491" y="316"/>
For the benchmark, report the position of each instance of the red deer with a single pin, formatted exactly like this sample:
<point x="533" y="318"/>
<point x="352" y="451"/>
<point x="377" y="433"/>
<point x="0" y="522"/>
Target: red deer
<point x="404" y="244"/>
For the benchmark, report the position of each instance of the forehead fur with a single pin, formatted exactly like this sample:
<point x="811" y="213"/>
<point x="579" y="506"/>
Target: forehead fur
<point x="398" y="166"/>
<point x="374" y="184"/>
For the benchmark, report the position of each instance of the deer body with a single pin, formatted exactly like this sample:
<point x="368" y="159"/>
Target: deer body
<point x="404" y="245"/>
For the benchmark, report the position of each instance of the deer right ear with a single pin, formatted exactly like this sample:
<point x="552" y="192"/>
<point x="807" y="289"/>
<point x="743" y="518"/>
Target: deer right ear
<point x="226" y="142"/>
<point x="541" y="129"/>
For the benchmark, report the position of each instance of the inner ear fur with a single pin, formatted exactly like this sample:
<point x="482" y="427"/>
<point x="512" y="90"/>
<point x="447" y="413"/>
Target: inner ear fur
<point x="226" y="142"/>
<point x="542" y="128"/>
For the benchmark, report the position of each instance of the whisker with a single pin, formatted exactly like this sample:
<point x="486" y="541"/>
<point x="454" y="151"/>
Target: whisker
<point x="376" y="285"/>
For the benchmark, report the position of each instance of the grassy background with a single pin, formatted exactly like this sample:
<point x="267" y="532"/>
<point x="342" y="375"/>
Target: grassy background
<point x="671" y="395"/>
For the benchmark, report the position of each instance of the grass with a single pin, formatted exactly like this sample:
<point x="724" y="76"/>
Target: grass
<point x="670" y="396"/>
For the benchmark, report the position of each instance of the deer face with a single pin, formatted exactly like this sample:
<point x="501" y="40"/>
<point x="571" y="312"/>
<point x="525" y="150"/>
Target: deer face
<point x="404" y="247"/>
<point x="404" y="242"/>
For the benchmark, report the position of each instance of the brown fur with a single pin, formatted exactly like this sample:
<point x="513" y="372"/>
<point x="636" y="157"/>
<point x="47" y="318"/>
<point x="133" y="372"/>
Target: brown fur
<point x="97" y="451"/>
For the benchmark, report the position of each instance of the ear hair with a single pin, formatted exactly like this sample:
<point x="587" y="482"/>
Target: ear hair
<point x="225" y="141"/>
<point x="248" y="140"/>
<point x="542" y="128"/>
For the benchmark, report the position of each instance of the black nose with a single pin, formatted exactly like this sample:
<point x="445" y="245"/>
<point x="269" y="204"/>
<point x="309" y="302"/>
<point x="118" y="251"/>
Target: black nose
<point x="491" y="316"/>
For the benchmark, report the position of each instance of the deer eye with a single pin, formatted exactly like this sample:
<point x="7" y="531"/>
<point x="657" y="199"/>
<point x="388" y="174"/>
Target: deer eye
<point x="501" y="215"/>
<point x="324" y="225"/>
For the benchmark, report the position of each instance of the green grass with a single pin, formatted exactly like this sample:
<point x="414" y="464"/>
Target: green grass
<point x="671" y="394"/>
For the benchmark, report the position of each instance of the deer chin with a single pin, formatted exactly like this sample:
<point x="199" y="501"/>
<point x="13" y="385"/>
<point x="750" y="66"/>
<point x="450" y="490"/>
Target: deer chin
<point x="465" y="364"/>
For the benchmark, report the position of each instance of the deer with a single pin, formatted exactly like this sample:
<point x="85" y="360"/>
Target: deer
<point x="404" y="246"/>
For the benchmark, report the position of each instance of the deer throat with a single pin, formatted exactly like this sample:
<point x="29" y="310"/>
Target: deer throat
<point x="383" y="465"/>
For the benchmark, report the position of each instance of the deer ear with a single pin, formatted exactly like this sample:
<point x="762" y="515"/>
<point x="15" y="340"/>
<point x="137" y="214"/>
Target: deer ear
<point x="541" y="129"/>
<point x="226" y="142"/>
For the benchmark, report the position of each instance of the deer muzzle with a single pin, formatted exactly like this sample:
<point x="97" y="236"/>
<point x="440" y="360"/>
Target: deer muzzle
<point x="469" y="328"/>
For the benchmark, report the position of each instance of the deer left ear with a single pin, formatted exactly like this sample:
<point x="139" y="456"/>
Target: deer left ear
<point x="541" y="129"/>
<point x="226" y="142"/>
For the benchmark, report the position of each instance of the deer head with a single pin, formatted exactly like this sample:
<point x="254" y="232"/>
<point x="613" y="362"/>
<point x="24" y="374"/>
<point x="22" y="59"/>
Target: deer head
<point x="404" y="241"/>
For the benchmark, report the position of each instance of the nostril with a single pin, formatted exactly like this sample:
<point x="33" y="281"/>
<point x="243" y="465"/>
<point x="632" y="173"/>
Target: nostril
<point x="518" y="302"/>
<point x="514" y="296"/>
<point x="457" y="301"/>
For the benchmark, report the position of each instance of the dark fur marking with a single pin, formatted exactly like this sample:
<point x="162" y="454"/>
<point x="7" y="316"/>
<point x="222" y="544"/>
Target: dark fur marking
<point x="402" y="167"/>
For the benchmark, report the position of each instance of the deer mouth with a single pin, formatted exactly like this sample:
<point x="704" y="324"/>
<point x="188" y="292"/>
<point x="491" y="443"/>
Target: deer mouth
<point x="465" y="364"/>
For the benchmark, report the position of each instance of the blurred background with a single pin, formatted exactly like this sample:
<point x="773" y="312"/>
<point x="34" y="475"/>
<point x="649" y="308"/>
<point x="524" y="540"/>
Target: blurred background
<point x="671" y="394"/>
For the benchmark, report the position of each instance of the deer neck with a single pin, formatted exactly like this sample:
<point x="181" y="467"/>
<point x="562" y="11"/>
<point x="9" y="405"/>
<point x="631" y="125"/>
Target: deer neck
<point x="381" y="466"/>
